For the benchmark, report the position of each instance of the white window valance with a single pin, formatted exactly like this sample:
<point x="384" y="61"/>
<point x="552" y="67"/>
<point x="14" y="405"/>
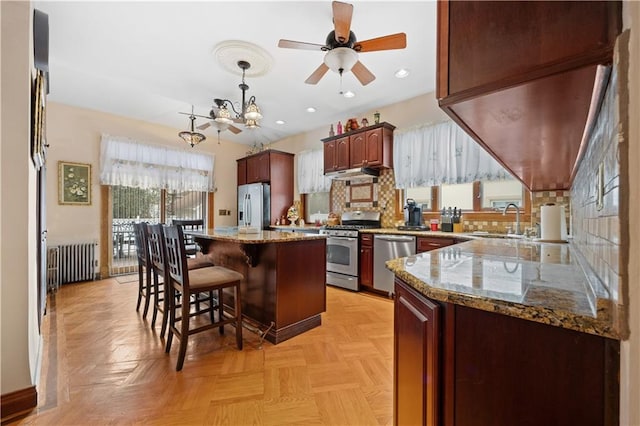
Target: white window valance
<point x="430" y="155"/>
<point x="311" y="172"/>
<point x="129" y="163"/>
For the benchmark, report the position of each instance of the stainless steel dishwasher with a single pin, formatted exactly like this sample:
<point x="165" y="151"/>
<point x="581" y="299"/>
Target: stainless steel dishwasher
<point x="387" y="247"/>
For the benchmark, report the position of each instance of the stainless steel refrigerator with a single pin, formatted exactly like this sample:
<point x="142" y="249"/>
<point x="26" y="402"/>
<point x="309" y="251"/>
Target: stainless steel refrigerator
<point x="254" y="209"/>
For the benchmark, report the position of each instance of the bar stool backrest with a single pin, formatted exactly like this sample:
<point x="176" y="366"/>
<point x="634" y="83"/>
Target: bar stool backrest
<point x="176" y="255"/>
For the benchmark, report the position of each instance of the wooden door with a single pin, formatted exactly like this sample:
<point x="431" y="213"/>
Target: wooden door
<point x="416" y="358"/>
<point x="242" y="171"/>
<point x="357" y="150"/>
<point x="258" y="168"/>
<point x="330" y="160"/>
<point x="342" y="153"/>
<point x="366" y="260"/>
<point x="373" y="147"/>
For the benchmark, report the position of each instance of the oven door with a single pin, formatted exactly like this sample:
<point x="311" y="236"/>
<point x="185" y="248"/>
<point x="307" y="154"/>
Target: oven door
<point x="342" y="255"/>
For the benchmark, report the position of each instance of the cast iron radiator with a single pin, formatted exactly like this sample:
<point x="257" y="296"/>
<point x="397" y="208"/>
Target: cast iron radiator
<point x="70" y="263"/>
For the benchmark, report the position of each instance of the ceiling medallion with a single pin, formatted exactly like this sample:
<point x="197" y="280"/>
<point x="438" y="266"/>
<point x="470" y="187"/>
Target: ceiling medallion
<point x="229" y="52"/>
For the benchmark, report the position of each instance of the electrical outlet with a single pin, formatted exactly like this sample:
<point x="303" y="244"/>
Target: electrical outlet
<point x="222" y="212"/>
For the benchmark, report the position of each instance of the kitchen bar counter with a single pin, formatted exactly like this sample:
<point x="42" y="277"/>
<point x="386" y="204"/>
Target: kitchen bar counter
<point x="541" y="282"/>
<point x="283" y="292"/>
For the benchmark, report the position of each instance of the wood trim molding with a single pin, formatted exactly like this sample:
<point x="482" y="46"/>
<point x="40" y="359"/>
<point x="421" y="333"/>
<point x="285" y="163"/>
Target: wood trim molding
<point x="106" y="242"/>
<point x="211" y="212"/>
<point x="17" y="402"/>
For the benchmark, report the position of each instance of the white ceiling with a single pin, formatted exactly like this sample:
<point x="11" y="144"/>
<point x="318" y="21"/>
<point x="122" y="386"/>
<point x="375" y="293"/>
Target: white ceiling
<point x="149" y="60"/>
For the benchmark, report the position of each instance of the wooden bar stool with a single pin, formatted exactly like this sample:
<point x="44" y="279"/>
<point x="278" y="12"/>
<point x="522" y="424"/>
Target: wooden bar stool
<point x="145" y="287"/>
<point x="186" y="283"/>
<point x="157" y="264"/>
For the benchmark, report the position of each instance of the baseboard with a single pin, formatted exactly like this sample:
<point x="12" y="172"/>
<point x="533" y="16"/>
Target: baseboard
<point x="18" y="401"/>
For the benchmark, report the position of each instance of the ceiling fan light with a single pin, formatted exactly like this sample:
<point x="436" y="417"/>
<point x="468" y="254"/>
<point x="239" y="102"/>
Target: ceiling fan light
<point x="251" y="124"/>
<point x="223" y="116"/>
<point x="341" y="58"/>
<point x="252" y="112"/>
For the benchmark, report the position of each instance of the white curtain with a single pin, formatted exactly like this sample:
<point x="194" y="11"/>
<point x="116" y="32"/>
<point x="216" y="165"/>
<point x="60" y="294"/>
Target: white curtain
<point x="128" y="163"/>
<point x="311" y="172"/>
<point x="430" y="155"/>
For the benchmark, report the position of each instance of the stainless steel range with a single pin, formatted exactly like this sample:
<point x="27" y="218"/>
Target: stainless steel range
<point x="342" y="247"/>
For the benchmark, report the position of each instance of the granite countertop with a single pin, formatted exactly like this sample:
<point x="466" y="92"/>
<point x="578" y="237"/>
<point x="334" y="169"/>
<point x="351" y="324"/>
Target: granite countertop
<point x="439" y="234"/>
<point x="310" y="228"/>
<point x="542" y="282"/>
<point x="263" y="237"/>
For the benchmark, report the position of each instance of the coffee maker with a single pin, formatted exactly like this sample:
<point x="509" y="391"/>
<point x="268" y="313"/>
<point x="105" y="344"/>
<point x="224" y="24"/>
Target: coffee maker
<point x="413" y="214"/>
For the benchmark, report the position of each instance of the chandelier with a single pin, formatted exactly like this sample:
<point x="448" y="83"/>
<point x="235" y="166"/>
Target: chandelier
<point x="249" y="113"/>
<point x="192" y="137"/>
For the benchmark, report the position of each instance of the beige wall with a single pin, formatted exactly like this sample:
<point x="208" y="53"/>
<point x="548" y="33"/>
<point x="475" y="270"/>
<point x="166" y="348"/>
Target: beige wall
<point x="419" y="110"/>
<point x="630" y="349"/>
<point x="21" y="341"/>
<point x="74" y="135"/>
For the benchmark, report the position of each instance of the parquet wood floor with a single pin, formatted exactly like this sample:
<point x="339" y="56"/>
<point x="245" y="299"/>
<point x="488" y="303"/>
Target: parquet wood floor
<point x="104" y="365"/>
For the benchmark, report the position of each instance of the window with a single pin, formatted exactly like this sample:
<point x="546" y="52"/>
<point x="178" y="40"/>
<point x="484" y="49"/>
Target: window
<point x="316" y="206"/>
<point x="479" y="196"/>
<point x="456" y="195"/>
<point x="133" y="205"/>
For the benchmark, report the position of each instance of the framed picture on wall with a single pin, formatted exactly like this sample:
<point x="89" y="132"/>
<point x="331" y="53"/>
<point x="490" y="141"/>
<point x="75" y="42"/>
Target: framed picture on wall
<point x="74" y="183"/>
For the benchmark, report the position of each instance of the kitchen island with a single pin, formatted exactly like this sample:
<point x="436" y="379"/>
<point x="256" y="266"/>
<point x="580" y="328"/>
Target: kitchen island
<point x="283" y="290"/>
<point x="503" y="331"/>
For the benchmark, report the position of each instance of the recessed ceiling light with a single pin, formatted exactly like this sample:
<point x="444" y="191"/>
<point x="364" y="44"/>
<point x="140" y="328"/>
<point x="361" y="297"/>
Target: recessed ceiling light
<point x="311" y="109"/>
<point x="348" y="94"/>
<point x="402" y="73"/>
<point x="279" y="121"/>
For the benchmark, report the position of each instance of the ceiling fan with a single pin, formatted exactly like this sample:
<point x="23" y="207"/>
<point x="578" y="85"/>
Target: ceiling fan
<point x="342" y="47"/>
<point x="220" y="126"/>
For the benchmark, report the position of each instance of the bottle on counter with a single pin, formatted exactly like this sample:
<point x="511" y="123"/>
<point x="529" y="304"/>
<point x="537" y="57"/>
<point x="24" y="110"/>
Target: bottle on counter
<point x="331" y="132"/>
<point x="339" y="128"/>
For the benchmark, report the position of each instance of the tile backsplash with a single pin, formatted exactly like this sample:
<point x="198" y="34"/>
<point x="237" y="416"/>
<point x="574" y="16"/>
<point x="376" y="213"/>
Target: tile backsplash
<point x="596" y="217"/>
<point x="382" y="196"/>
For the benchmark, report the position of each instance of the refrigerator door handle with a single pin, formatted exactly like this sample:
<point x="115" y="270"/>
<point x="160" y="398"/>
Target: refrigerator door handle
<point x="248" y="210"/>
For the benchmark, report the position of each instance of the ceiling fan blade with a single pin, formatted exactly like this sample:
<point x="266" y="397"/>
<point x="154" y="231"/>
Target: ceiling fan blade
<point x="317" y="74"/>
<point x="389" y="42"/>
<point x="203" y="126"/>
<point x="290" y="44"/>
<point x="362" y="73"/>
<point x="234" y="130"/>
<point x="342" y="13"/>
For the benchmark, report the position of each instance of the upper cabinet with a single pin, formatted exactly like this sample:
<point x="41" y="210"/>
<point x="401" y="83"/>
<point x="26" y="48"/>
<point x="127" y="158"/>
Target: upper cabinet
<point x="273" y="167"/>
<point x="336" y="154"/>
<point x="370" y="146"/>
<point x="524" y="79"/>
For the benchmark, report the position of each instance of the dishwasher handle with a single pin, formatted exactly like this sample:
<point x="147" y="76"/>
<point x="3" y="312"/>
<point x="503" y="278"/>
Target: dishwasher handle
<point x="394" y="238"/>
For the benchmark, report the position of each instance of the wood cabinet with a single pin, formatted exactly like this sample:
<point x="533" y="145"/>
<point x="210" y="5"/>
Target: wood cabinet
<point x="370" y="146"/>
<point x="242" y="171"/>
<point x="272" y="167"/>
<point x="366" y="260"/>
<point x="336" y="154"/>
<point x="416" y="396"/>
<point x="369" y="149"/>
<point x="456" y="365"/>
<point x="432" y="243"/>
<point x="258" y="167"/>
<point x="519" y="78"/>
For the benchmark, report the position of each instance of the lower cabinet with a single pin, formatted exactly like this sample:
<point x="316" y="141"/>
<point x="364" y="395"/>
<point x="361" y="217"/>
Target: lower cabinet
<point x="366" y="260"/>
<point x="456" y="365"/>
<point x="416" y="359"/>
<point x="431" y="243"/>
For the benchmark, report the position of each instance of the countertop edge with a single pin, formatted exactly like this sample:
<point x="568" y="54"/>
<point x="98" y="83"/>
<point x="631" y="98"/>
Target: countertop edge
<point x="603" y="323"/>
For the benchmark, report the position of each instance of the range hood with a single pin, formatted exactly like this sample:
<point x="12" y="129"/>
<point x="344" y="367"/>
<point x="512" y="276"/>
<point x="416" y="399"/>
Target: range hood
<point x="353" y="173"/>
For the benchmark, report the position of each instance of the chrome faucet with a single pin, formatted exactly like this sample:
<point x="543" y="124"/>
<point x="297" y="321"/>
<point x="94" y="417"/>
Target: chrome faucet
<point x="504" y="212"/>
